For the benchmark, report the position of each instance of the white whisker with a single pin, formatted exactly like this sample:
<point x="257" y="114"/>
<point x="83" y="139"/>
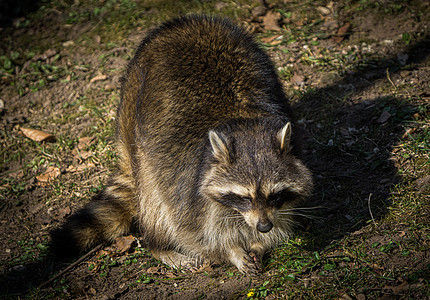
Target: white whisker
<point x="303" y="208"/>
<point x="300" y="215"/>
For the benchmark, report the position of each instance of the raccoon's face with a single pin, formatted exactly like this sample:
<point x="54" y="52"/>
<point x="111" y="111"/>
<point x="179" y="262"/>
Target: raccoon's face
<point x="253" y="173"/>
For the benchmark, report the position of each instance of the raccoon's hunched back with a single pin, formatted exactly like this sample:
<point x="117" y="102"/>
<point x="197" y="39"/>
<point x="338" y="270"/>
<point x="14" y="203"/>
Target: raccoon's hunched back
<point x="188" y="76"/>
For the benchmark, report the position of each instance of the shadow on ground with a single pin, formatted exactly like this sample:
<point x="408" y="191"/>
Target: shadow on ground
<point x="349" y="143"/>
<point x="15" y="9"/>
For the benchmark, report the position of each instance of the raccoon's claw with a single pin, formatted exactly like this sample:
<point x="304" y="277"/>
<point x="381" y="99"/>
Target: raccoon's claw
<point x="252" y="266"/>
<point x="256" y="260"/>
<point x="246" y="262"/>
<point x="180" y="261"/>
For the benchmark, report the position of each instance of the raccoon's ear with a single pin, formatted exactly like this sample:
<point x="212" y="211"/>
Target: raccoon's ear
<point x="219" y="146"/>
<point x="284" y="137"/>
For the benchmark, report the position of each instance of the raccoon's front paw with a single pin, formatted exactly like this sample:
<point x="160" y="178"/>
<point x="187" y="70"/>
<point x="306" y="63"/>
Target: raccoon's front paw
<point x="252" y="265"/>
<point x="257" y="261"/>
<point x="247" y="263"/>
<point x="180" y="261"/>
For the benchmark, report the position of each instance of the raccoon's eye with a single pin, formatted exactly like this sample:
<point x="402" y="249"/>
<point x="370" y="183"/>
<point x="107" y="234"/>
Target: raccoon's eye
<point x="279" y="198"/>
<point x="235" y="197"/>
<point x="236" y="201"/>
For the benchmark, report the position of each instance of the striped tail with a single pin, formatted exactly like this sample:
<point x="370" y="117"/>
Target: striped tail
<point x="109" y="214"/>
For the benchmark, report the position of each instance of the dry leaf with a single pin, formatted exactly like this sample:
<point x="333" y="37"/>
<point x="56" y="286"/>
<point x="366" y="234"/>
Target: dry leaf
<point x="124" y="243"/>
<point x="269" y="39"/>
<point x="97" y="39"/>
<point x="92" y="291"/>
<point x="398" y="289"/>
<point x="17" y="174"/>
<point x="416" y="116"/>
<point x="341" y="33"/>
<point x="50" y="174"/>
<point x="376" y="267"/>
<point x="324" y="10"/>
<point x="37" y="135"/>
<point x="63" y="212"/>
<point x="5" y="186"/>
<point x="80" y="167"/>
<point x="109" y="87"/>
<point x="83" y="154"/>
<point x="385" y="115"/>
<point x="85" y="142"/>
<point x="99" y="77"/>
<point x="259" y="11"/>
<point x="344" y="29"/>
<point x="102" y="253"/>
<point x="153" y="270"/>
<point x="68" y="43"/>
<point x="298" y="79"/>
<point x="220" y="5"/>
<point x="170" y="275"/>
<point x="409" y="132"/>
<point x="253" y="27"/>
<point x="271" y="21"/>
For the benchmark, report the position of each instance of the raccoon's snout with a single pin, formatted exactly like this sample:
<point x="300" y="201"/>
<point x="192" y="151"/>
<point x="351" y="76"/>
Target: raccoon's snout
<point x="264" y="227"/>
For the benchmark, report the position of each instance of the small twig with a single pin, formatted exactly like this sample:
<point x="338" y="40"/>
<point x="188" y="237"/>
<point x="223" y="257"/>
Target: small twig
<point x="82" y="258"/>
<point x="370" y="210"/>
<point x="389" y="79"/>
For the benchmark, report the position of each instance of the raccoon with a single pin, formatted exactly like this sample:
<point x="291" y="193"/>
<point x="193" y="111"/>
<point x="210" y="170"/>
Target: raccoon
<point x="208" y="156"/>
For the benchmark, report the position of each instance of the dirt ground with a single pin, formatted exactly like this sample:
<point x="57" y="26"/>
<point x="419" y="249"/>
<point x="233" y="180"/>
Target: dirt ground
<point x="358" y="78"/>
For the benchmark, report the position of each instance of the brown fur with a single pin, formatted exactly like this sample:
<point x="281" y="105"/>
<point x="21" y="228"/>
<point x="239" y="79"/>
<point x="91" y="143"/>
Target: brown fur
<point x="207" y="159"/>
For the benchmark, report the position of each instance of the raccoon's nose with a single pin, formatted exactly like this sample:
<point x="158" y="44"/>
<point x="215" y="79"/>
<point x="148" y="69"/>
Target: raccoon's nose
<point x="264" y="227"/>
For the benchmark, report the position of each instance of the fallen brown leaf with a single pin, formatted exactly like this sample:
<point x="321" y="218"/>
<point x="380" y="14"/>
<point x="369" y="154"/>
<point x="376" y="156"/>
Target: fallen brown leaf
<point x="298" y="79"/>
<point x="92" y="291"/>
<point x="124" y="243"/>
<point x="385" y="115"/>
<point x="110" y="87"/>
<point x="408" y="132"/>
<point x="17" y="174"/>
<point x="417" y="116"/>
<point x="83" y="154"/>
<point x="102" y="252"/>
<point x="85" y="142"/>
<point x="63" y="212"/>
<point x="271" y="21"/>
<point x="259" y="11"/>
<point x="220" y="5"/>
<point x="253" y="27"/>
<point x="97" y="39"/>
<point x="37" y="135"/>
<point x="398" y="289"/>
<point x="80" y="167"/>
<point x="341" y="33"/>
<point x="153" y="270"/>
<point x="170" y="275"/>
<point x="269" y="39"/>
<point x="323" y="10"/>
<point x="50" y="174"/>
<point x="344" y="29"/>
<point x="99" y="77"/>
